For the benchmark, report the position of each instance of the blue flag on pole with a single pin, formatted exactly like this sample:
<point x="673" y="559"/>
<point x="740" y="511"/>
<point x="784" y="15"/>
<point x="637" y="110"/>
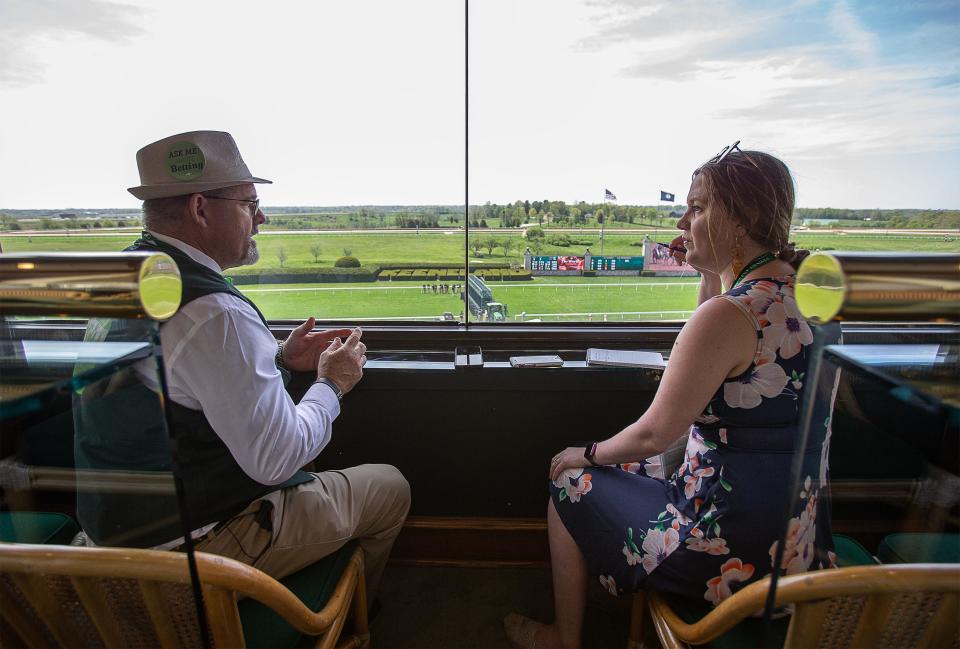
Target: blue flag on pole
<point x="608" y="195"/>
<point x="666" y="196"/>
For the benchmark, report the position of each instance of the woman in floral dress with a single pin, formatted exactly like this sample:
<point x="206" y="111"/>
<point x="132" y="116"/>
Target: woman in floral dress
<point x="733" y="386"/>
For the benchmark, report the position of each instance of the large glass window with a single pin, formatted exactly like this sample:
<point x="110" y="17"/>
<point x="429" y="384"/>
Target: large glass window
<point x="584" y="121"/>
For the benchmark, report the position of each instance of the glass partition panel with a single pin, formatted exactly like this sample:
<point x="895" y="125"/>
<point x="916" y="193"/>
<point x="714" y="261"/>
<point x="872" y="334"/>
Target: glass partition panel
<point x="582" y="140"/>
<point x="876" y="477"/>
<point x="587" y="119"/>
<point x="87" y="461"/>
<point x="359" y="124"/>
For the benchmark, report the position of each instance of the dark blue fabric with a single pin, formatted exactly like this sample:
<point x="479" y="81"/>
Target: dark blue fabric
<point x="711" y="528"/>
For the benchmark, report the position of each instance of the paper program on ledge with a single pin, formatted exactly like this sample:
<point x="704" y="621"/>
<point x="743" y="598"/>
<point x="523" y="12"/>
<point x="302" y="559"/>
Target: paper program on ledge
<point x="621" y="358"/>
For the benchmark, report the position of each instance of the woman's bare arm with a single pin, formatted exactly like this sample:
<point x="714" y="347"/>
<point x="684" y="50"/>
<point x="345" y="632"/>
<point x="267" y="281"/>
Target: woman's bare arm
<point x="716" y="340"/>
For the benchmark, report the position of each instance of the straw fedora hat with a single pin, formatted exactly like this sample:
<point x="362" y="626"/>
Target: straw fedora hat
<point x="188" y="163"/>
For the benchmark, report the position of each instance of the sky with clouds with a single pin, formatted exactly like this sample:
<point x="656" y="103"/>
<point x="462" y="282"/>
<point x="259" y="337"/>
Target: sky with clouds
<point x="346" y="103"/>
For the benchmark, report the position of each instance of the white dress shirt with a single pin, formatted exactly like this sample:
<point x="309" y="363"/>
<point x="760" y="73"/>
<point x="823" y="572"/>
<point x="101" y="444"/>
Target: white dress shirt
<point x="220" y="359"/>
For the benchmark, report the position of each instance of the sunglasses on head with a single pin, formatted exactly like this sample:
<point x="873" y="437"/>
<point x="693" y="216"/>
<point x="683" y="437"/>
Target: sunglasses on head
<point x="724" y="152"/>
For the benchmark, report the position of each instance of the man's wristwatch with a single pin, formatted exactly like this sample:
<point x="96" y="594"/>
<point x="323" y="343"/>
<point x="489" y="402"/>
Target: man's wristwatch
<point x="333" y="386"/>
<point x="278" y="359"/>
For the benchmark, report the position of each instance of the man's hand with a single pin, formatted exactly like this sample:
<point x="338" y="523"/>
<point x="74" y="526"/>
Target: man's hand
<point x="342" y="362"/>
<point x="302" y="349"/>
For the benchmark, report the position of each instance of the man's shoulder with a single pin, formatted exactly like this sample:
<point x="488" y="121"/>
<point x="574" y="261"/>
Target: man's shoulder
<point x="206" y="322"/>
<point x="223" y="304"/>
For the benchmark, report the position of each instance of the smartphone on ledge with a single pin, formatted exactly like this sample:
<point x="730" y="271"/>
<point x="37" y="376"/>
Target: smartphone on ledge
<point x="468" y="356"/>
<point x="551" y="360"/>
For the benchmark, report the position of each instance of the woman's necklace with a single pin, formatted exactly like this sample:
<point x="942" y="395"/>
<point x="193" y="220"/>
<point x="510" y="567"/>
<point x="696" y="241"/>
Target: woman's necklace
<point x="757" y="262"/>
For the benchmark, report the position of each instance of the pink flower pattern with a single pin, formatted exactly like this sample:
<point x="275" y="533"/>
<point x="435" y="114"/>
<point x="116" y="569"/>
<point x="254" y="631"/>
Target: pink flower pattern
<point x="657" y="546"/>
<point x="767" y="380"/>
<point x="788" y="332"/>
<point x="801" y="536"/>
<point x="694" y="481"/>
<point x="715" y="546"/>
<point x="702" y="522"/>
<point x="609" y="583"/>
<point x="574" y="483"/>
<point x="733" y="571"/>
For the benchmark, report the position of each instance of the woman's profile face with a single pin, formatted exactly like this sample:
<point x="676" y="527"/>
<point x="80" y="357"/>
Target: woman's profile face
<point x="707" y="249"/>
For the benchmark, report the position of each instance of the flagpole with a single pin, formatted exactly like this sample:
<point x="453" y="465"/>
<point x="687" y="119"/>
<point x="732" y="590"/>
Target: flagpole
<point x="656" y="219"/>
<point x="603" y="221"/>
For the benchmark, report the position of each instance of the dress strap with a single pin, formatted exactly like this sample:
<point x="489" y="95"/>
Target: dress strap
<point x="752" y="319"/>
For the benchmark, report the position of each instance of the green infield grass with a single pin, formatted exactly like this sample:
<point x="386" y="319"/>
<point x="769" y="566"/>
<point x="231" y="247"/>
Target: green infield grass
<point x="544" y="298"/>
<point x="556" y="298"/>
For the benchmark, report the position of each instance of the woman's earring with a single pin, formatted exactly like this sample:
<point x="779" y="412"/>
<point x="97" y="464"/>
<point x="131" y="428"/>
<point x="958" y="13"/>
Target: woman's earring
<point x="737" y="254"/>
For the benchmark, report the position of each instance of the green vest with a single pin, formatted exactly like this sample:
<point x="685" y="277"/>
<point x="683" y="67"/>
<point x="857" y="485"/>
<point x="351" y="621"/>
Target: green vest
<point x="121" y="428"/>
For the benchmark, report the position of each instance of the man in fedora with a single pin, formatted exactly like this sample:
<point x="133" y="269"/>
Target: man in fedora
<point x="240" y="439"/>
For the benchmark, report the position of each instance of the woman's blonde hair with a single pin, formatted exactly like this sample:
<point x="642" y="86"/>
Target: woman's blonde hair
<point x="756" y="190"/>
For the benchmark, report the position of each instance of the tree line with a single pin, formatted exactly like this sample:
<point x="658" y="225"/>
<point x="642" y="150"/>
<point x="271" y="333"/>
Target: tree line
<point x="545" y="213"/>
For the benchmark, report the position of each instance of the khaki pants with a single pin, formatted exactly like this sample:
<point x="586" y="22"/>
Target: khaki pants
<point x="310" y="521"/>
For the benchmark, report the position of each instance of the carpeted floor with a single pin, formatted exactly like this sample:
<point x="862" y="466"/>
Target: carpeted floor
<point x="439" y="608"/>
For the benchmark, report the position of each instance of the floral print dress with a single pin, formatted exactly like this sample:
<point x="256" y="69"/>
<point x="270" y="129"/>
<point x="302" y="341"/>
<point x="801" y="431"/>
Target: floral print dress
<point x="713" y="526"/>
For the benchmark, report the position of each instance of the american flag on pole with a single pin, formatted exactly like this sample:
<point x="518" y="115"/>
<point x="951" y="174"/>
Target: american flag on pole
<point x="608" y="195"/>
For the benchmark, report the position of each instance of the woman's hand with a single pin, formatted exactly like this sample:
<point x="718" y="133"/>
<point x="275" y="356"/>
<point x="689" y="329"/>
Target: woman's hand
<point x="678" y="251"/>
<point x="569" y="458"/>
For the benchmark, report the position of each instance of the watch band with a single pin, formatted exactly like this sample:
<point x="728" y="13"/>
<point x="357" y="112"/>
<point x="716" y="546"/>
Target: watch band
<point x="278" y="359"/>
<point x="590" y="451"/>
<point x="333" y="386"/>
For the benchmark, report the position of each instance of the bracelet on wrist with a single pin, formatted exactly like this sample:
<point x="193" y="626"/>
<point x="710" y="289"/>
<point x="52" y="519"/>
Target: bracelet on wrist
<point x="590" y="451"/>
<point x="333" y="386"/>
<point x="278" y="359"/>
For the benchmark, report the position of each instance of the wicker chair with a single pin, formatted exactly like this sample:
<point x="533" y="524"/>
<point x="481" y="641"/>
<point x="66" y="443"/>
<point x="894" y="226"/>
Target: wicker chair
<point x="896" y="606"/>
<point x="62" y="596"/>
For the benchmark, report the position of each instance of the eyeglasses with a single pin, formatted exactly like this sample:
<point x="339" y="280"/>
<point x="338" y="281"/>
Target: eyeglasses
<point x="724" y="152"/>
<point x="255" y="202"/>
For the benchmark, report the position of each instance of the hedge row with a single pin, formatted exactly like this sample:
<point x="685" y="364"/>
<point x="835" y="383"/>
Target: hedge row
<point x="496" y="275"/>
<point x="421" y="274"/>
<point x="248" y="276"/>
<point x="307" y="276"/>
<point x="439" y="265"/>
<point x="304" y="270"/>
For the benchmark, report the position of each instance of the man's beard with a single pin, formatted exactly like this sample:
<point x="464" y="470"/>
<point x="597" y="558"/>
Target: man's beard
<point x="252" y="256"/>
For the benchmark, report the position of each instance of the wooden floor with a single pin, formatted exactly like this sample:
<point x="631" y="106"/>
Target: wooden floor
<point x="431" y="607"/>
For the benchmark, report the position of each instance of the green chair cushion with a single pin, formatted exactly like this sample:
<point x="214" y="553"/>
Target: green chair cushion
<point x="263" y="628"/>
<point x="920" y="548"/>
<point x="37" y="527"/>
<point x="851" y="553"/>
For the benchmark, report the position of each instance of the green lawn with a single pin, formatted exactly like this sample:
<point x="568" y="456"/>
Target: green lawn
<point x="877" y="241"/>
<point x="631" y="299"/>
<point x="628" y="298"/>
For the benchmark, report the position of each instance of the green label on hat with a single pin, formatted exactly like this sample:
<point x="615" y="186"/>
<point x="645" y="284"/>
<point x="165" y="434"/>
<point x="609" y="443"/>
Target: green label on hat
<point x="185" y="160"/>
